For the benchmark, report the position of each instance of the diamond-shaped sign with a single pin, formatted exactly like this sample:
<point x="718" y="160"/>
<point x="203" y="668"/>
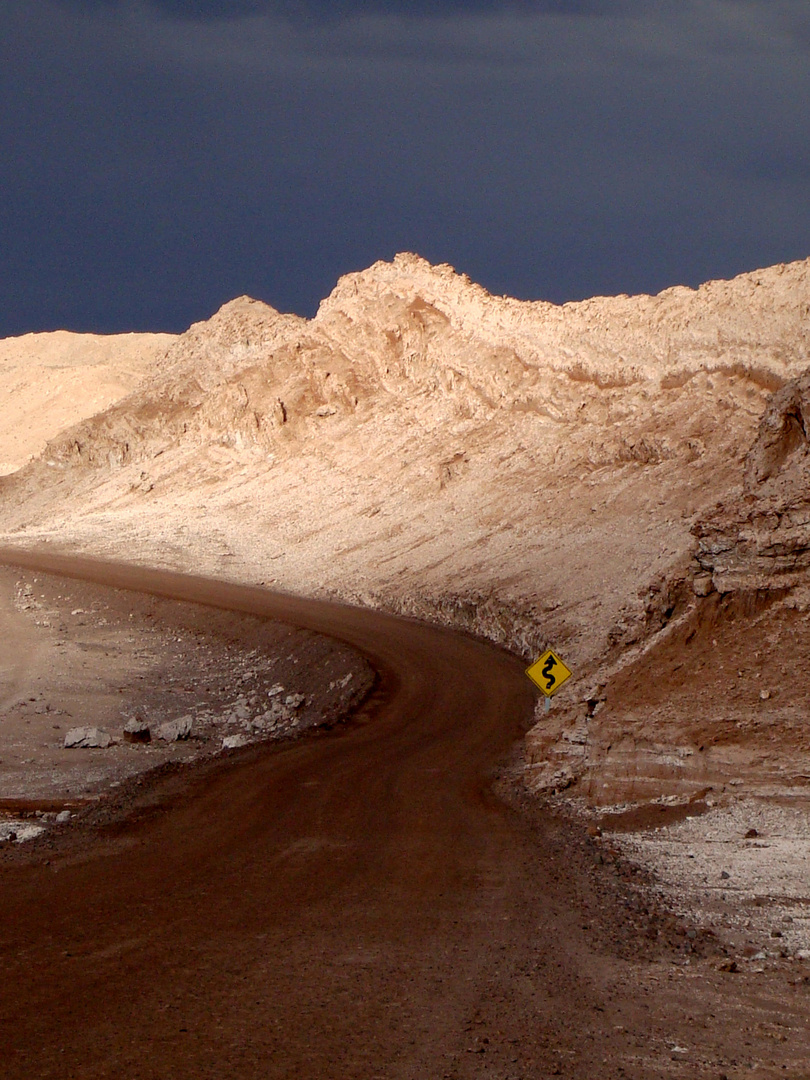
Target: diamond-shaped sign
<point x="548" y="673"/>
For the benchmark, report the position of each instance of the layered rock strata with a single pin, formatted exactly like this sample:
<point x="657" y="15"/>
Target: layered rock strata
<point x="761" y="540"/>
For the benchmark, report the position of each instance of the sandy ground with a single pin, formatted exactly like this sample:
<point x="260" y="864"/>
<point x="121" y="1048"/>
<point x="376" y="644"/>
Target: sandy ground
<point x="76" y="655"/>
<point x="742" y="868"/>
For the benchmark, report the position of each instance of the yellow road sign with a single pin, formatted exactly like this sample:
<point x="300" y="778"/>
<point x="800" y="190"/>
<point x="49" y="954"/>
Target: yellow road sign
<point x="549" y="673"/>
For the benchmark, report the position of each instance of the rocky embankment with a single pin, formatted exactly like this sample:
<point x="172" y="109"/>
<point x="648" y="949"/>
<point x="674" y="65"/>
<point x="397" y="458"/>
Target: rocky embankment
<point x="712" y="691"/>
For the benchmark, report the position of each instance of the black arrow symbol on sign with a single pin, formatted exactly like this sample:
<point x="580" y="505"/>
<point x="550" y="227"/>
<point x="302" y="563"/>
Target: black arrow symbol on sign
<point x="550" y="679"/>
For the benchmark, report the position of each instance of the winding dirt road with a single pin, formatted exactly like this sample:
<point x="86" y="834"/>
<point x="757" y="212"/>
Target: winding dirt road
<point x="353" y="905"/>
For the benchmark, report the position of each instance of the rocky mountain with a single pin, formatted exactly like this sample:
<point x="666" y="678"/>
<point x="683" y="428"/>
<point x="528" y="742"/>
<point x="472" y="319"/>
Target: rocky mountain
<point x="535" y="473"/>
<point x="408" y="329"/>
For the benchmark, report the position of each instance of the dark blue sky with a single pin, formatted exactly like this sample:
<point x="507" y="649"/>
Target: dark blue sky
<point x="158" y="159"/>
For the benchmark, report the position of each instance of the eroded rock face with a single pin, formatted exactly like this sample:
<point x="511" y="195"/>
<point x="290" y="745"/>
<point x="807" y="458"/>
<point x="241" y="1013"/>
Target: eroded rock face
<point x="745" y="549"/>
<point x="783" y="431"/>
<point x="253" y="377"/>
<point x="761" y="540"/>
<point x="709" y="690"/>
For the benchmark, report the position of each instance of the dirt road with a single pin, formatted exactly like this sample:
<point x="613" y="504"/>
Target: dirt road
<point x="353" y="905"/>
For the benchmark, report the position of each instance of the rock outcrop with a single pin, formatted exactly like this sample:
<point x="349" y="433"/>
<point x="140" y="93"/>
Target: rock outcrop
<point x="761" y="540"/>
<point x="252" y="377"/>
<point x="719" y="698"/>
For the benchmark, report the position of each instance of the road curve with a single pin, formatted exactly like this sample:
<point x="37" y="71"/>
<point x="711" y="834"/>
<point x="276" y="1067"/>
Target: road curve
<point x="352" y="905"/>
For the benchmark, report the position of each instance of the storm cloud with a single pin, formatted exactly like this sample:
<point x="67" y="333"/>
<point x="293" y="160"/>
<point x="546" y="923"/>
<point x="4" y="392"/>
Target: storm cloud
<point x="160" y="158"/>
<point x="334" y="10"/>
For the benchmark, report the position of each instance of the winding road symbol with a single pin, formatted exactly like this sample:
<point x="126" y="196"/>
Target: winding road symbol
<point x="548" y="673"/>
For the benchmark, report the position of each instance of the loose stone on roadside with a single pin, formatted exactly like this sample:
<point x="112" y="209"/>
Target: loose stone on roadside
<point x="175" y="730"/>
<point x="233" y="742"/>
<point x="17" y="832"/>
<point x="136" y="730"/>
<point x="86" y="738"/>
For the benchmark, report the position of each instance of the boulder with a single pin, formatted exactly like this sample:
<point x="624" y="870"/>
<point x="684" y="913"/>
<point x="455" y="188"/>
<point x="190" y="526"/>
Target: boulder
<point x="702" y="585"/>
<point x="175" y="730"/>
<point x="233" y="742"/>
<point x="87" y="738"/>
<point x="137" y="730"/>
<point x="17" y="832"/>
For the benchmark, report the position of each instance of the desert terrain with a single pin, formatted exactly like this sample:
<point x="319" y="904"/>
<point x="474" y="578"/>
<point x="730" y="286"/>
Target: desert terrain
<point x="79" y="658"/>
<point x="624" y="479"/>
<point x="50" y="381"/>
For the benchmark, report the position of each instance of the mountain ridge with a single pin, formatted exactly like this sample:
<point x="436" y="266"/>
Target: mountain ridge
<point x="533" y="473"/>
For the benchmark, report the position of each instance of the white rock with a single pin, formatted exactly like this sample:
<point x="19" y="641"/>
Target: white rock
<point x="19" y="831"/>
<point x="87" y="738"/>
<point x="63" y="816"/>
<point x="233" y="742"/>
<point x="137" y="730"/>
<point x="175" y="730"/>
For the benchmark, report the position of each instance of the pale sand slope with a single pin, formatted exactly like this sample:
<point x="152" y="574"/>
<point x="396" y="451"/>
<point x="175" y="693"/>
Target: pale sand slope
<point x="50" y="381"/>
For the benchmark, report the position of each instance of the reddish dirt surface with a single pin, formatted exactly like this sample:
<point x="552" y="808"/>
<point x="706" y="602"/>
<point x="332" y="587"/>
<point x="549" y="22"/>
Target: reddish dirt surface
<point x="361" y="904"/>
<point x="729" y="688"/>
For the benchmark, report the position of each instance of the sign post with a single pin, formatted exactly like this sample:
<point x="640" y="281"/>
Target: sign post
<point x="548" y="673"/>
